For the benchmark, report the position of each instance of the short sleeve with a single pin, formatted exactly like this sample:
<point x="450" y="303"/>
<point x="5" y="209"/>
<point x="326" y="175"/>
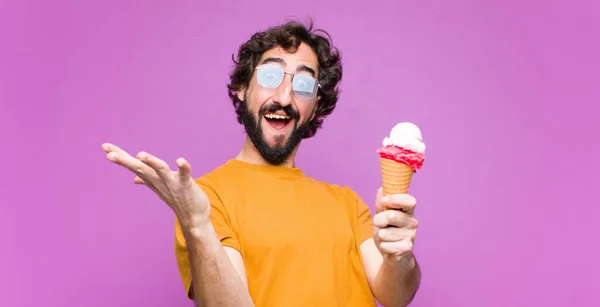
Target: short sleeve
<point x="222" y="224"/>
<point x="364" y="226"/>
<point x="182" y="258"/>
<point x="220" y="217"/>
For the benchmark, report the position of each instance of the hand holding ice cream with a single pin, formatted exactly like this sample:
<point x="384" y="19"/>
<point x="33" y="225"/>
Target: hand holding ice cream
<point x="395" y="226"/>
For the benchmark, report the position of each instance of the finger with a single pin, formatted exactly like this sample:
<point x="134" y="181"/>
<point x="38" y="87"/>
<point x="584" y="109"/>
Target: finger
<point x="395" y="218"/>
<point x="121" y="157"/>
<point x="107" y="147"/>
<point x="114" y="153"/>
<point x="159" y="166"/>
<point x="393" y="234"/>
<point x="138" y="180"/>
<point x="382" y="219"/>
<point x="404" y="202"/>
<point x="378" y="204"/>
<point x="185" y="170"/>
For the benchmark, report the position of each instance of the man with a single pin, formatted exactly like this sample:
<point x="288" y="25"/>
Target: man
<point x="256" y="231"/>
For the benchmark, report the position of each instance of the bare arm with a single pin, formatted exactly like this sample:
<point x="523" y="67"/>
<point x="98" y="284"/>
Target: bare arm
<point x="392" y="283"/>
<point x="218" y="273"/>
<point x="390" y="265"/>
<point x="217" y="280"/>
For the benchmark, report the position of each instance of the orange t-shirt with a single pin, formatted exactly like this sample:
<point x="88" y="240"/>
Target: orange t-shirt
<point x="299" y="238"/>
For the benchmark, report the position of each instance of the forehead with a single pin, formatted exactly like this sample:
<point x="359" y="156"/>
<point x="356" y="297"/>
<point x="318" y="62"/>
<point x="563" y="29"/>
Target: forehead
<point x="303" y="56"/>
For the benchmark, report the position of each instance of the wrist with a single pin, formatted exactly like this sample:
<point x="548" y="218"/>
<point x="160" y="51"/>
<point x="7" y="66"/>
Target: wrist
<point x="196" y="227"/>
<point x="405" y="262"/>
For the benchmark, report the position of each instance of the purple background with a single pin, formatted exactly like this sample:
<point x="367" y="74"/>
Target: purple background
<point x="506" y="94"/>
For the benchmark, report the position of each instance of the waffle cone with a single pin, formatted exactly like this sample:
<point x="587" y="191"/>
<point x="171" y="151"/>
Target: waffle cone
<point x="395" y="176"/>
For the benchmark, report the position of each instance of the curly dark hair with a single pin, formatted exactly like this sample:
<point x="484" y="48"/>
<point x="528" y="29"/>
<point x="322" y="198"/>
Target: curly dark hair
<point x="289" y="36"/>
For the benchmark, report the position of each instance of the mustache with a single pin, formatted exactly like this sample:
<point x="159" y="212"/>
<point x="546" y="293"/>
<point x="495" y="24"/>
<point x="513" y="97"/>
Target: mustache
<point x="289" y="111"/>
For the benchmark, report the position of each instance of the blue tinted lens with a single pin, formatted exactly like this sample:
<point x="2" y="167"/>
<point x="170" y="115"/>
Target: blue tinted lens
<point x="269" y="76"/>
<point x="304" y="85"/>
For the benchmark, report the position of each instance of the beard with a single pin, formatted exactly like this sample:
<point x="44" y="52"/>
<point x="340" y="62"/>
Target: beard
<point x="277" y="154"/>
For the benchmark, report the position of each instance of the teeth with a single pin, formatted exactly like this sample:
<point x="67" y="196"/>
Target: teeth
<point x="276" y="116"/>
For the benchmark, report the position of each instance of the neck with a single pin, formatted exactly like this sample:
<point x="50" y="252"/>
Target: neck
<point x="250" y="154"/>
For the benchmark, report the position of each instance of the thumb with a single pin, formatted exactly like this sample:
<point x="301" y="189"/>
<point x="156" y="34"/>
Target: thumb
<point x="185" y="170"/>
<point x="378" y="205"/>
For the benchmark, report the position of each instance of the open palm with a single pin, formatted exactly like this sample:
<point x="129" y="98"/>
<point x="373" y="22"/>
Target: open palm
<point x="176" y="188"/>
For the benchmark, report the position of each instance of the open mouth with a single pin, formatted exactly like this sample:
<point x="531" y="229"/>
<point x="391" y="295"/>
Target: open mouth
<point x="277" y="121"/>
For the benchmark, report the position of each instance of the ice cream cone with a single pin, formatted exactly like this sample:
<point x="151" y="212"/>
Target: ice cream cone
<point x="395" y="176"/>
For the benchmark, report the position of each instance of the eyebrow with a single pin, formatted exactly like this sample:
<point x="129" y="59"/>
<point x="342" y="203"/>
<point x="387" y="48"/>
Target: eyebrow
<point x="281" y="61"/>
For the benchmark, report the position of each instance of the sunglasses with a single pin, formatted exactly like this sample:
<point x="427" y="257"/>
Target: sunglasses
<point x="271" y="76"/>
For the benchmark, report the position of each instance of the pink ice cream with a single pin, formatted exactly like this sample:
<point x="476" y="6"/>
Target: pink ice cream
<point x="404" y="145"/>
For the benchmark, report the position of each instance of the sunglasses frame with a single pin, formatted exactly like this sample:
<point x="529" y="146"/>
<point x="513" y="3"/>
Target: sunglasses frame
<point x="285" y="72"/>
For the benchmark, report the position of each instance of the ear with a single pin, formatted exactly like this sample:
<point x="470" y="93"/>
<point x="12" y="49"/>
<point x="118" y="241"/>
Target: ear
<point x="314" y="113"/>
<point x="241" y="93"/>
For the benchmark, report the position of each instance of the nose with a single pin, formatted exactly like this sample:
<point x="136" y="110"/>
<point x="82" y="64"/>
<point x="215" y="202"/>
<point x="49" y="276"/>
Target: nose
<point x="283" y="95"/>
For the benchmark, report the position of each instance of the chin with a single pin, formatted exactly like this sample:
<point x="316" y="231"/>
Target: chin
<point x="275" y="140"/>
